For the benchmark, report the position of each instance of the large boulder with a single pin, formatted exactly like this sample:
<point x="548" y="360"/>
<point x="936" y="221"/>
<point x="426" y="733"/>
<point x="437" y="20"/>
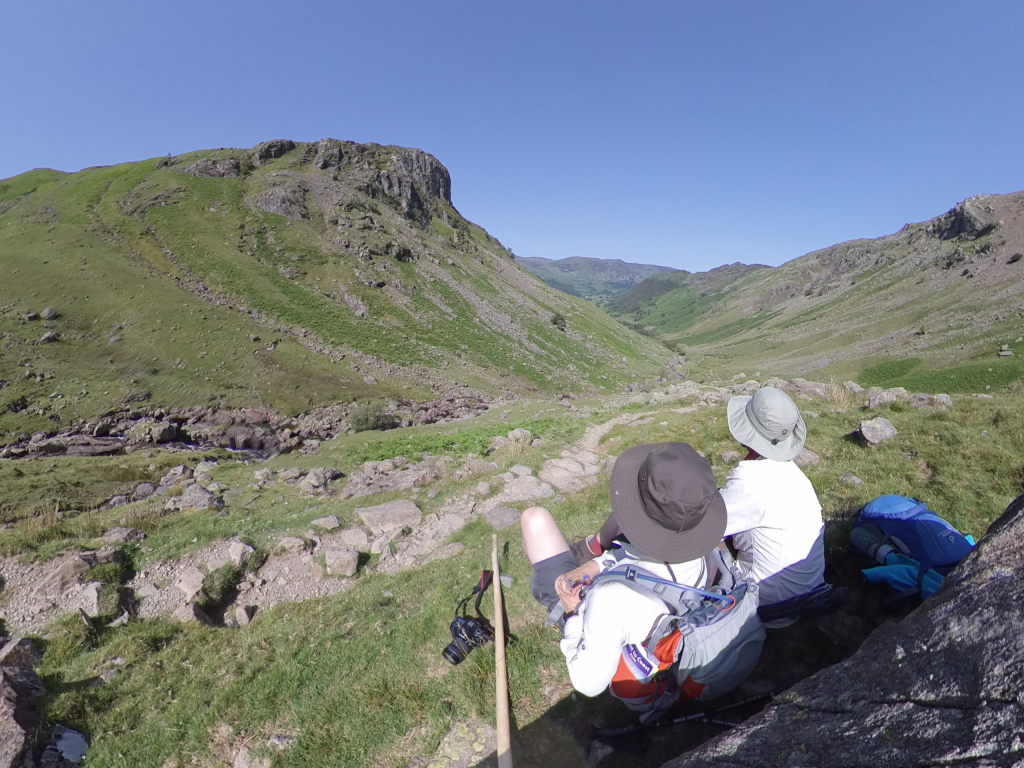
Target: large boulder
<point x="942" y="687"/>
<point x="21" y="693"/>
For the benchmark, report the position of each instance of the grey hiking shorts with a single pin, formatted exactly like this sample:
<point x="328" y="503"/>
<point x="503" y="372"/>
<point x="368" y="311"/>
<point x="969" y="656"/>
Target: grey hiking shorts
<point x="542" y="583"/>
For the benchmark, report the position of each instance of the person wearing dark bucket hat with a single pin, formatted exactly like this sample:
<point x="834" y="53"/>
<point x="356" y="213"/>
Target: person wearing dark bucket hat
<point x="773" y="513"/>
<point x="665" y="499"/>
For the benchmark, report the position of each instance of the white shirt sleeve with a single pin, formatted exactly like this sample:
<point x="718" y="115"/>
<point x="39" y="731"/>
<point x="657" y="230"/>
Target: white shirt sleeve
<point x="592" y="652"/>
<point x="744" y="508"/>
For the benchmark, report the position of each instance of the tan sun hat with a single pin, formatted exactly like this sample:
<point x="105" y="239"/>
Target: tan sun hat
<point x="769" y="422"/>
<point x="666" y="501"/>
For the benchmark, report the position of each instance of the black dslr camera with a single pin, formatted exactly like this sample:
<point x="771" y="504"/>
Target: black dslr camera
<point x="469" y="632"/>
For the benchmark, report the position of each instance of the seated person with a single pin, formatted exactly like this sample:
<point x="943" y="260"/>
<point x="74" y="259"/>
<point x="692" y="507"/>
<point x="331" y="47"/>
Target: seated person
<point x="664" y="498"/>
<point x="773" y="513"/>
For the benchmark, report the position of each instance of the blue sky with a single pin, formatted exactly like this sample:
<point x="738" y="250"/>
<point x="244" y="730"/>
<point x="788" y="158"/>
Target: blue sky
<point x="672" y="132"/>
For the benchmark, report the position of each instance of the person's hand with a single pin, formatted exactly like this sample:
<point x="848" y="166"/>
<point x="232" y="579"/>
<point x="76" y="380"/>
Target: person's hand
<point x="568" y="591"/>
<point x="568" y="585"/>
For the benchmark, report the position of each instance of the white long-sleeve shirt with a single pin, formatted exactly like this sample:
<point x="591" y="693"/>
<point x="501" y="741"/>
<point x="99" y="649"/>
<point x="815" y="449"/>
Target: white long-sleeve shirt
<point x="614" y="616"/>
<point x="774" y="518"/>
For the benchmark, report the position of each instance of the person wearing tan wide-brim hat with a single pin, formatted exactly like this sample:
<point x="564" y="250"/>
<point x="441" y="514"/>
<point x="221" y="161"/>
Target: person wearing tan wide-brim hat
<point x="774" y="516"/>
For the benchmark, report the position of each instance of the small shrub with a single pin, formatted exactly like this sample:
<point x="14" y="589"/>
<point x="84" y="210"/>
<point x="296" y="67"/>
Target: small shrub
<point x="558" y="320"/>
<point x="367" y="416"/>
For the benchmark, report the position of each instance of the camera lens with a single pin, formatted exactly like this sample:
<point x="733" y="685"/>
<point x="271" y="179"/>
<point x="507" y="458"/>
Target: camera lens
<point x="455" y="652"/>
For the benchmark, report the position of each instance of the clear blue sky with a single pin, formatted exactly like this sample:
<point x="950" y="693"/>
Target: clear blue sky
<point x="672" y="132"/>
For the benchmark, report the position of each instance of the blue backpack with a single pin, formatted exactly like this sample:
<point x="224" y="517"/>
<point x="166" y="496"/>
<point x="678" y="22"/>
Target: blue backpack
<point x="916" y="547"/>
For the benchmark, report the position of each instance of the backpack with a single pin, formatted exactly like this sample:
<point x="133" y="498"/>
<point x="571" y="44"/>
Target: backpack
<point x="705" y="645"/>
<point x="916" y="547"/>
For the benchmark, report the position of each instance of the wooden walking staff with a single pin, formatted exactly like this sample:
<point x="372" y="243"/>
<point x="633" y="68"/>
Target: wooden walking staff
<point x="500" y="675"/>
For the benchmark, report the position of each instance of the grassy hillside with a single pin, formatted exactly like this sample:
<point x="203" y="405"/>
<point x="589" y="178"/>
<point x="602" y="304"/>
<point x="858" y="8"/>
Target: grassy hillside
<point x="942" y="294"/>
<point x="290" y="276"/>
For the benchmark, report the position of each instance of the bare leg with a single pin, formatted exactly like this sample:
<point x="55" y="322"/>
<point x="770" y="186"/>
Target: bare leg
<point x="541" y="537"/>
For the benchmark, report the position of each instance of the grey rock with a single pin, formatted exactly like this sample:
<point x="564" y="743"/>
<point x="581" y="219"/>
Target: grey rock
<point x="353" y="538"/>
<point x="143" y="491"/>
<point x="240" y="552"/>
<point x="807" y="458"/>
<point x="876" y="431"/>
<point x="190" y="582"/>
<point x="520" y="435"/>
<point x="194" y="496"/>
<point x="394" y="515"/>
<point x="176" y="475"/>
<point x="214" y="168"/>
<point x="341" y="562"/>
<point x="853" y="387"/>
<point x="850" y="479"/>
<point x="244" y="614"/>
<point x="246" y="759"/>
<point x="940" y="402"/>
<point x="21" y="693"/>
<point x="316" y="480"/>
<point x="190" y="612"/>
<point x="940" y="687"/>
<point x="90" y="597"/>
<point x="49" y="337"/>
<point x="292" y="544"/>
<point x="65" y="573"/>
<point x="266" y="151"/>
<point x="501" y="517"/>
<point x="285" y="475"/>
<point x="730" y="457"/>
<point x="326" y="523"/>
<point x="20" y="652"/>
<point x="123" y="534"/>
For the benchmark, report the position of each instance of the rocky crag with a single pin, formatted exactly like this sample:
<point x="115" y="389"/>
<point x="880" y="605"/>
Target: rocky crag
<point x="942" y="687"/>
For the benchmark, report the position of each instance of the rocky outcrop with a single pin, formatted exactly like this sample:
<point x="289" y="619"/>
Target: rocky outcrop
<point x="266" y="151"/>
<point x="214" y="168"/>
<point x="942" y="687"/>
<point x="969" y="220"/>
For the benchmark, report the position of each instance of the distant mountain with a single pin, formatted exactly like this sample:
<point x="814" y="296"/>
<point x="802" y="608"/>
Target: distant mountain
<point x="595" y="279"/>
<point x="286" y="276"/>
<point x="947" y="290"/>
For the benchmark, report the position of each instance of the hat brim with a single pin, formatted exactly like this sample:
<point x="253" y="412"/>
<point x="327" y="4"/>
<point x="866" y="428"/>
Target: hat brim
<point x="644" y="533"/>
<point x="745" y="434"/>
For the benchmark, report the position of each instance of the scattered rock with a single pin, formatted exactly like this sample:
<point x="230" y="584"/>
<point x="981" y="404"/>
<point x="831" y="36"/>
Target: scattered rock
<point x="850" y="479"/>
<point x="853" y="387"/>
<point x="66" y="572"/>
<point x="501" y="517"/>
<point x="341" y="562"/>
<point x="190" y="582"/>
<point x="245" y="759"/>
<point x="941" y="402"/>
<point x="90" y="597"/>
<point x="240" y="552"/>
<point x="190" y="612"/>
<point x="20" y="652"/>
<point x="328" y="523"/>
<point x="21" y="693"/>
<point x="394" y="515"/>
<point x="49" y="337"/>
<point x="877" y="430"/>
<point x="122" y="534"/>
<point x="316" y="480"/>
<point x="353" y="538"/>
<point x="887" y="397"/>
<point x="292" y="544"/>
<point x="730" y="457"/>
<point x="194" y="496"/>
<point x="807" y="458"/>
<point x="244" y="614"/>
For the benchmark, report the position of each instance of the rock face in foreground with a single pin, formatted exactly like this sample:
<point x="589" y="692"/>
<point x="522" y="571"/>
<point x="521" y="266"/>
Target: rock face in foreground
<point x="943" y="687"/>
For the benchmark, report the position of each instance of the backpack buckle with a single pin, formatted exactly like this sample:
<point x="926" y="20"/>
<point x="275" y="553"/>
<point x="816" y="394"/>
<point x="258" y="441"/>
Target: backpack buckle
<point x="630" y="573"/>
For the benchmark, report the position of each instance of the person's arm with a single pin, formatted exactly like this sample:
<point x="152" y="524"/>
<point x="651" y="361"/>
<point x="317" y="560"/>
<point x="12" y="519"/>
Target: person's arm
<point x="593" y="642"/>
<point x="744" y="507"/>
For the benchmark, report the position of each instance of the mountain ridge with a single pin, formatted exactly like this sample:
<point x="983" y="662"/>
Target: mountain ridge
<point x="289" y="276"/>
<point x="598" y="280"/>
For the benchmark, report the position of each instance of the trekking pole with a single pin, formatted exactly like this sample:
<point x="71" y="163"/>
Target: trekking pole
<point x="504" y="739"/>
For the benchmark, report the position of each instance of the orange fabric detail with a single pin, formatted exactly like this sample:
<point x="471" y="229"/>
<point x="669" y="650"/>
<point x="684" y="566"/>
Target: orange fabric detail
<point x="692" y="689"/>
<point x="625" y="686"/>
<point x="665" y="650"/>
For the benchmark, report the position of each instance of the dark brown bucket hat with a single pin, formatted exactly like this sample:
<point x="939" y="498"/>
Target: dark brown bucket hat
<point x="666" y="502"/>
